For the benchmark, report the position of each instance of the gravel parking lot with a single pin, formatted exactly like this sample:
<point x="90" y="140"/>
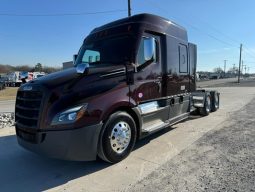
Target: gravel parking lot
<point x="6" y="120"/>
<point x="222" y="160"/>
<point x="213" y="153"/>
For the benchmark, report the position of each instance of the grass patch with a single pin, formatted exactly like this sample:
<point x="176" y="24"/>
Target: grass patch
<point x="9" y="93"/>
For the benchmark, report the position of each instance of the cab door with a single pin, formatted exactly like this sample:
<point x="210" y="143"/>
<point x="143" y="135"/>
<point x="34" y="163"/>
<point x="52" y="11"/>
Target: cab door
<point x="148" y="92"/>
<point x="148" y="78"/>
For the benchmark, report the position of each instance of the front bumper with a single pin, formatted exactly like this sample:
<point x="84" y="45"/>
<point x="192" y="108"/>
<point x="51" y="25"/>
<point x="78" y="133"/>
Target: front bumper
<point x="73" y="144"/>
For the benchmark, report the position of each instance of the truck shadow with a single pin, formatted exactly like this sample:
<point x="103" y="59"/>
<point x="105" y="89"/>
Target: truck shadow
<point x="149" y="138"/>
<point x="21" y="170"/>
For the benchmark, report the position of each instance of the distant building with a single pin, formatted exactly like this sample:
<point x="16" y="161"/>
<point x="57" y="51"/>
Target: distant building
<point x="67" y="65"/>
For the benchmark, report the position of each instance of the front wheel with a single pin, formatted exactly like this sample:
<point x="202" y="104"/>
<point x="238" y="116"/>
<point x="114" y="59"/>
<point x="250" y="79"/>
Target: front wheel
<point x="117" y="138"/>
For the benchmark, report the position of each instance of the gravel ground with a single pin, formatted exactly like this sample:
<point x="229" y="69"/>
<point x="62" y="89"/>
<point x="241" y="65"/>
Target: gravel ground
<point x="222" y="160"/>
<point x="6" y="120"/>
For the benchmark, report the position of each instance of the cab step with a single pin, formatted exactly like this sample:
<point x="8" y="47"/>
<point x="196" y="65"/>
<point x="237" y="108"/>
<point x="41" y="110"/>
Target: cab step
<point x="154" y="126"/>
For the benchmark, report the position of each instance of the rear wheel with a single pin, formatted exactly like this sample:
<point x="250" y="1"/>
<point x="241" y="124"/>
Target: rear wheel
<point x="215" y="101"/>
<point x="204" y="111"/>
<point x="117" y="137"/>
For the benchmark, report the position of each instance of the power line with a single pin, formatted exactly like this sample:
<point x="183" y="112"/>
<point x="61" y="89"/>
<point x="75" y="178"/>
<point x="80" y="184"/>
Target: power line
<point x="61" y="14"/>
<point x="218" y="31"/>
<point x="245" y="49"/>
<point x="212" y="36"/>
<point x="232" y="39"/>
<point x="197" y="29"/>
<point x="248" y="52"/>
<point x="253" y="52"/>
<point x="227" y="36"/>
<point x="249" y="61"/>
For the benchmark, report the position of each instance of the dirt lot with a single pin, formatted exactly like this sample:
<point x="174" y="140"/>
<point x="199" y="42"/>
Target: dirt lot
<point x="9" y="93"/>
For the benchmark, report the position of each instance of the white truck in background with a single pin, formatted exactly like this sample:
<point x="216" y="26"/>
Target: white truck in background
<point x="38" y="74"/>
<point x="14" y="78"/>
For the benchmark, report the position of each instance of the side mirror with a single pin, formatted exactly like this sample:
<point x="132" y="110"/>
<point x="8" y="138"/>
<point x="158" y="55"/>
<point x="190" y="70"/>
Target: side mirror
<point x="149" y="48"/>
<point x="74" y="58"/>
<point x="82" y="68"/>
<point x="148" y="52"/>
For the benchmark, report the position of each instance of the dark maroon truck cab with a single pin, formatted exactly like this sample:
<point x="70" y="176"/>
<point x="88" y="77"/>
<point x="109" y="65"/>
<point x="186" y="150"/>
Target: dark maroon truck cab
<point x="131" y="77"/>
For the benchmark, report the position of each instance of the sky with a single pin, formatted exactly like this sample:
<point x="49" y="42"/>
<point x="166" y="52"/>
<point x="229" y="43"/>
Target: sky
<point x="51" y="31"/>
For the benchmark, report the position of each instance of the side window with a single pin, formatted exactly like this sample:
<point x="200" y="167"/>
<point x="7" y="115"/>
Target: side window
<point x="141" y="57"/>
<point x="91" y="56"/>
<point x="183" y="58"/>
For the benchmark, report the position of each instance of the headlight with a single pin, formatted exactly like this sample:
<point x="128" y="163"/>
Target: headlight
<point x="70" y="115"/>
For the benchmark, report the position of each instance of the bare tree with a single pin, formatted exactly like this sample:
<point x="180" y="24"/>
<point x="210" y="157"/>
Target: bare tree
<point x="218" y="70"/>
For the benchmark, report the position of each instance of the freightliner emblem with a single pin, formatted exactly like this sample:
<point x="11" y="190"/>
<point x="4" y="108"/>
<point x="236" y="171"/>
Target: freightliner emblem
<point x="27" y="88"/>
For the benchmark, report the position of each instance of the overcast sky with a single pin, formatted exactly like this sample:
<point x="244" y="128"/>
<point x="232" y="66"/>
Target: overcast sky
<point x="51" y="31"/>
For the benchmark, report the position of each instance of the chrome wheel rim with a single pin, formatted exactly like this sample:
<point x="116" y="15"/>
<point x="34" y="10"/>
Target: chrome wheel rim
<point x="208" y="106"/>
<point x="120" y="137"/>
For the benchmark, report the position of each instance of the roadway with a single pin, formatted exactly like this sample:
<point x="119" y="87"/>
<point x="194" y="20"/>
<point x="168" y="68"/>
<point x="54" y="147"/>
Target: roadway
<point x="7" y="106"/>
<point x="208" y="83"/>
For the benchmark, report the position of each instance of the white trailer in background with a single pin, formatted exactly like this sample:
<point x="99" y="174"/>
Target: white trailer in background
<point x="14" y="78"/>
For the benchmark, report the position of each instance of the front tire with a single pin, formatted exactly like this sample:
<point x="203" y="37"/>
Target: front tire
<point x="117" y="138"/>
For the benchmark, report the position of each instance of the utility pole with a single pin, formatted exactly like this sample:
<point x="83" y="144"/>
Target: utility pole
<point x="234" y="69"/>
<point x="225" y="61"/>
<point x="240" y="60"/>
<point x="242" y="68"/>
<point x="129" y="8"/>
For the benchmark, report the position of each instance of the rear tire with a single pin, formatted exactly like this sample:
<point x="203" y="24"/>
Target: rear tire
<point x="117" y="138"/>
<point x="204" y="111"/>
<point x="215" y="101"/>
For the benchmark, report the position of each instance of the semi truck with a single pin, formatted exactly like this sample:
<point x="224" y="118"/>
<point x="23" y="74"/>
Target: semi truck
<point x="131" y="78"/>
<point x="13" y="79"/>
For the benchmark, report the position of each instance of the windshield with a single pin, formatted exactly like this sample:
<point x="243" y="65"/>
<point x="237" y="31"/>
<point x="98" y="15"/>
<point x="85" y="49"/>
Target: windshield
<point x="114" y="50"/>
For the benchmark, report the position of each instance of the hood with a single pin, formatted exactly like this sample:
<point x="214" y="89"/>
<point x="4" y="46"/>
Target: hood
<point x="57" y="78"/>
<point x="69" y="77"/>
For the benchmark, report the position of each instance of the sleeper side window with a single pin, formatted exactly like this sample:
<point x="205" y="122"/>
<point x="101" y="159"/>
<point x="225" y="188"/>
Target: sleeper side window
<point x="183" y="58"/>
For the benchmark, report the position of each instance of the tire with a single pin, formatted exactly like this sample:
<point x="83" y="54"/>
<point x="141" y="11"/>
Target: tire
<point x="117" y="138"/>
<point x="204" y="111"/>
<point x="215" y="101"/>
